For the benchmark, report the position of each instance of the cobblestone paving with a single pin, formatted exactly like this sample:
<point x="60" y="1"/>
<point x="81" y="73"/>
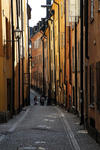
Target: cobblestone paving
<point x="44" y="128"/>
<point x="40" y="129"/>
<point x="85" y="141"/>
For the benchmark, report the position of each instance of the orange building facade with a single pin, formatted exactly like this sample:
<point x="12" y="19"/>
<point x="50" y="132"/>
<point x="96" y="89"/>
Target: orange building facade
<point x="37" y="62"/>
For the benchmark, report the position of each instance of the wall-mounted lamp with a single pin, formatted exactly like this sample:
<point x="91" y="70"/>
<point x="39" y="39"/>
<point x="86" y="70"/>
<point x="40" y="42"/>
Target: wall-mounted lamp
<point x="17" y="33"/>
<point x="46" y="6"/>
<point x="94" y="42"/>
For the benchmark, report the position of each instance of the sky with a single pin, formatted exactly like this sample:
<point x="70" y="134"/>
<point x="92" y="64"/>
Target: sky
<point x="37" y="11"/>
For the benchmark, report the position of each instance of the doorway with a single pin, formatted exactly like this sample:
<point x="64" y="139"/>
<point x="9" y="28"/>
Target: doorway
<point x="9" y="94"/>
<point x="86" y="95"/>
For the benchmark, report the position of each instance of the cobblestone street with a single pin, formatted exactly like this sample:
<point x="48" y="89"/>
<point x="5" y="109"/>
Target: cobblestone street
<point x="45" y="128"/>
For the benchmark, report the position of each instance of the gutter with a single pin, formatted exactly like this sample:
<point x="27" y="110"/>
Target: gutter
<point x="49" y="92"/>
<point x="65" y="48"/>
<point x="76" y="64"/>
<point x="28" y="102"/>
<point x="18" y="57"/>
<point x="43" y="65"/>
<point x="54" y="57"/>
<point x="22" y="56"/>
<point x="81" y="66"/>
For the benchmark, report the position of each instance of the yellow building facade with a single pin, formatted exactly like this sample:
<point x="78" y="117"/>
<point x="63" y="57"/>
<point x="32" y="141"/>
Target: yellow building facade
<point x="13" y="57"/>
<point x="5" y="58"/>
<point x="56" y="50"/>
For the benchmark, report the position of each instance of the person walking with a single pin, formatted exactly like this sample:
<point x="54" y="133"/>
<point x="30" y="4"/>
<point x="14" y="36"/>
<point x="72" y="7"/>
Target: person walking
<point x="35" y="100"/>
<point x="42" y="100"/>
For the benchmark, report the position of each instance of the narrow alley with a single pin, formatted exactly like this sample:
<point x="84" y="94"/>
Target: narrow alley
<point x="45" y="128"/>
<point x="49" y="74"/>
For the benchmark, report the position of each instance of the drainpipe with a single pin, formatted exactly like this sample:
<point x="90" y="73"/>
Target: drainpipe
<point x="86" y="29"/>
<point x="54" y="57"/>
<point x="44" y="36"/>
<point x="12" y="89"/>
<point x="22" y="55"/>
<point x="18" y="58"/>
<point x="43" y="64"/>
<point x="28" y="58"/>
<point x="65" y="56"/>
<point x="19" y="72"/>
<point x="49" y="91"/>
<point x="76" y="63"/>
<point x="58" y="35"/>
<point x="65" y="47"/>
<point x="81" y="66"/>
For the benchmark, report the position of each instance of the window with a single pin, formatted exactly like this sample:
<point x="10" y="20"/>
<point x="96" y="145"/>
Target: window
<point x="51" y="35"/>
<point x="19" y="7"/>
<point x="32" y="45"/>
<point x="99" y="5"/>
<point x="7" y="39"/>
<point x="51" y="1"/>
<point x="98" y="84"/>
<point x="52" y="75"/>
<point x="78" y="67"/>
<point x="45" y="44"/>
<point x="73" y="95"/>
<point x="37" y="43"/>
<point x="92" y="9"/>
<point x="73" y="59"/>
<point x="62" y="40"/>
<point x="70" y="75"/>
<point x="61" y="9"/>
<point x="92" y="122"/>
<point x="92" y="84"/>
<point x="8" y="94"/>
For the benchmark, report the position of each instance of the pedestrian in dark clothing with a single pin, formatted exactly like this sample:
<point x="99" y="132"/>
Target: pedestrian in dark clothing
<point x="42" y="100"/>
<point x="35" y="100"/>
